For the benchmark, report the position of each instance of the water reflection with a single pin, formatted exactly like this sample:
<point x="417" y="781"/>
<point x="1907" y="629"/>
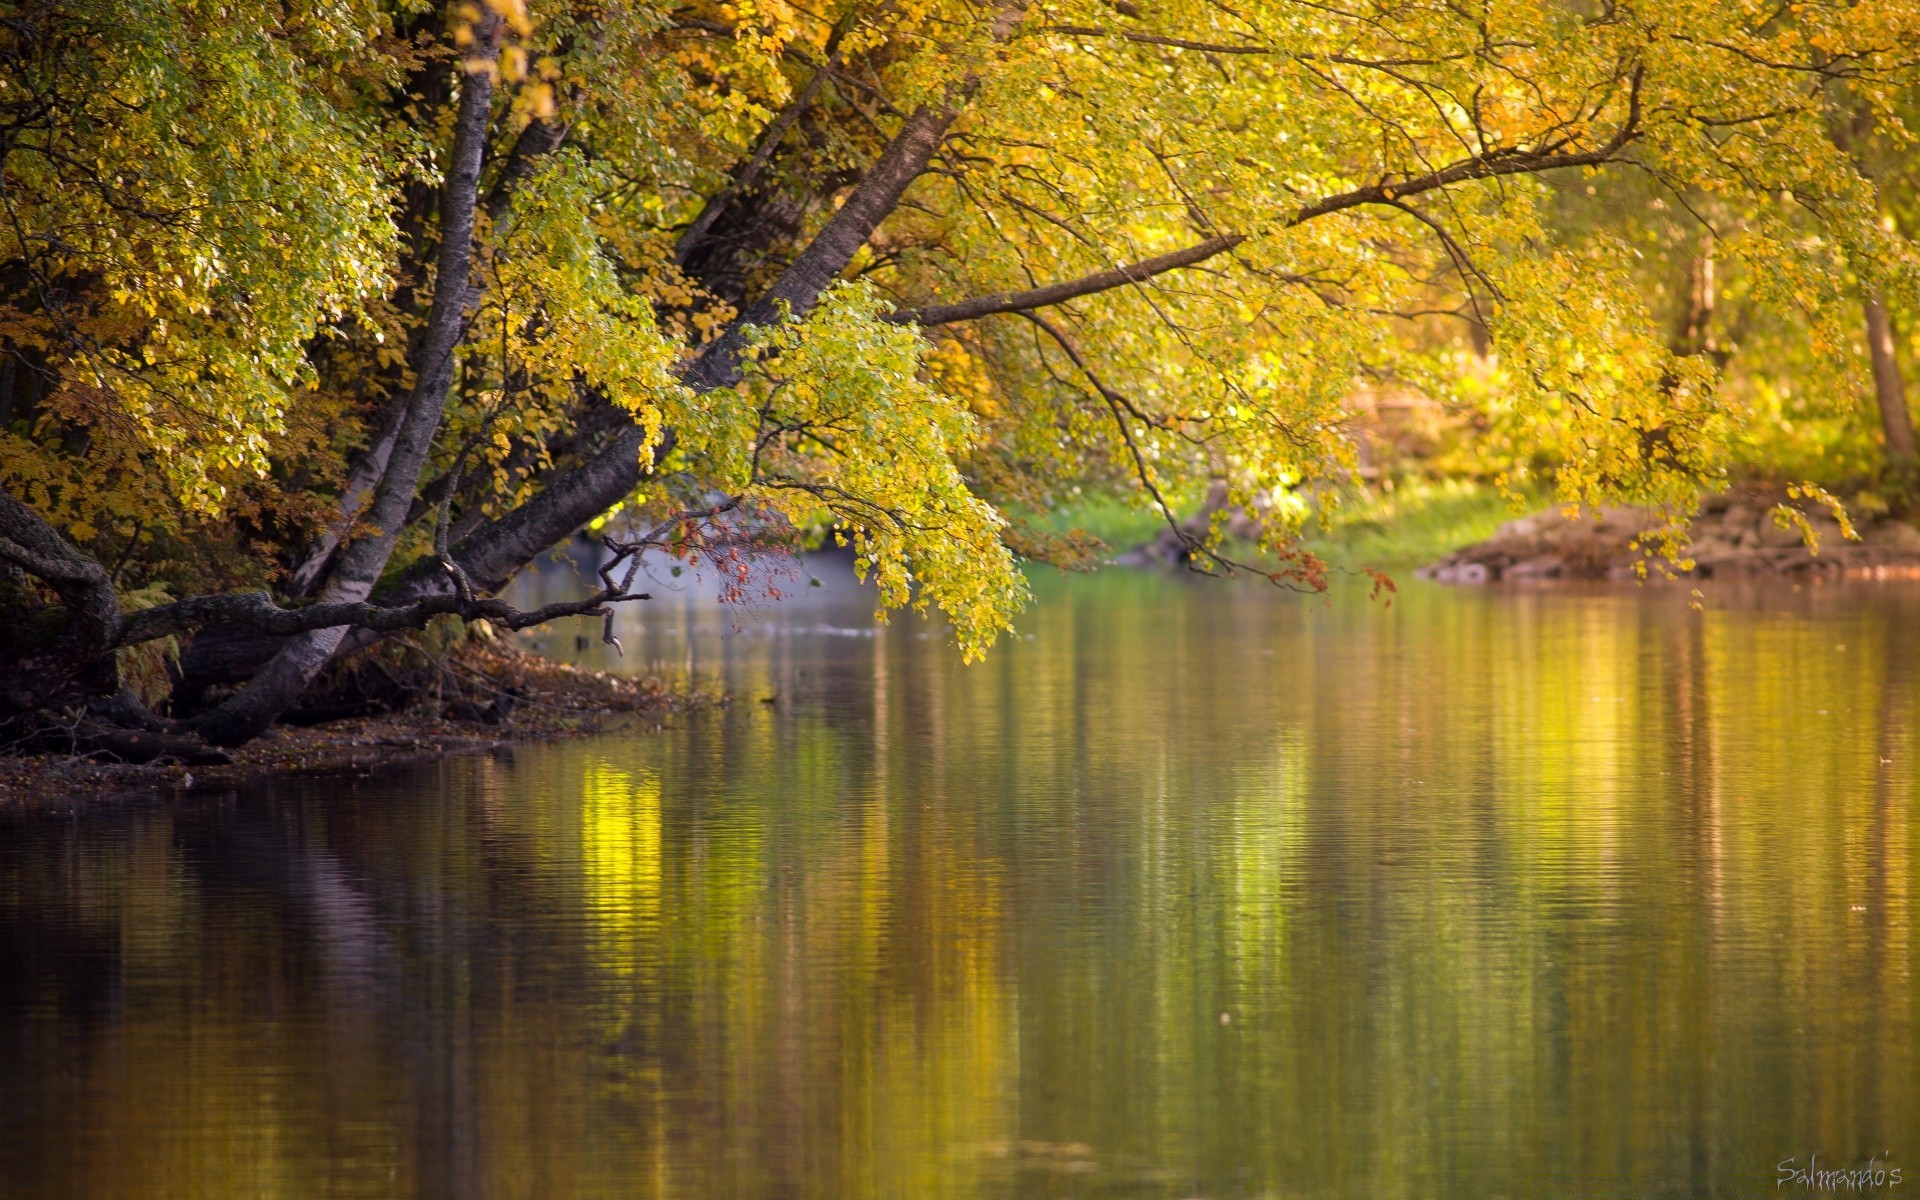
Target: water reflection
<point x="1199" y="892"/>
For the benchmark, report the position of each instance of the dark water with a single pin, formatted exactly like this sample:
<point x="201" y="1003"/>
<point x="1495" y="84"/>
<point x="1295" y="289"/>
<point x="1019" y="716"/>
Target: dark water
<point x="1199" y="892"/>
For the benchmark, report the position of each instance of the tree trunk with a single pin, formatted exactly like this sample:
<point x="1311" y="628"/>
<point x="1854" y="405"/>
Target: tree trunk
<point x="744" y="175"/>
<point x="492" y="554"/>
<point x="1691" y="327"/>
<point x="495" y="551"/>
<point x="52" y="655"/>
<point x="1888" y="387"/>
<point x="362" y="477"/>
<point x="799" y="286"/>
<point x="430" y="87"/>
<point x="357" y="566"/>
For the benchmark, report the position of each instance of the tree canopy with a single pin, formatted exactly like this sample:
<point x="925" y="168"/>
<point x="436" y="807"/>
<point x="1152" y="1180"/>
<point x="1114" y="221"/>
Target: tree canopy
<point x="322" y="318"/>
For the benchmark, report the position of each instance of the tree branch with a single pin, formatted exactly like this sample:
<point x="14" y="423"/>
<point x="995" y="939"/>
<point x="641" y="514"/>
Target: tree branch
<point x="770" y="139"/>
<point x="257" y="610"/>
<point x="1059" y="293"/>
<point x="1492" y="164"/>
<point x="1489" y="165"/>
<point x="800" y="285"/>
<point x="540" y="139"/>
<point x="85" y="588"/>
<point x="814" y="269"/>
<point x="1156" y="39"/>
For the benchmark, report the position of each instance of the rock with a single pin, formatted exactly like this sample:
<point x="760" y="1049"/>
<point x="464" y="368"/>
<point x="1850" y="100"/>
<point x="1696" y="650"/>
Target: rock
<point x="1712" y="553"/>
<point x="1775" y="538"/>
<point x="1829" y="534"/>
<point x="1621" y="522"/>
<point x="1531" y="525"/>
<point x="1541" y="566"/>
<point x="1728" y="536"/>
<point x="1893" y="537"/>
<point x="1463" y="572"/>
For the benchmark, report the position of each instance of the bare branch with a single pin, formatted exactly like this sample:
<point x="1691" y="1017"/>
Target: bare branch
<point x="257" y="610"/>
<point x="1059" y="293"/>
<point x="1391" y="193"/>
<point x="1155" y="39"/>
<point x="1489" y="165"/>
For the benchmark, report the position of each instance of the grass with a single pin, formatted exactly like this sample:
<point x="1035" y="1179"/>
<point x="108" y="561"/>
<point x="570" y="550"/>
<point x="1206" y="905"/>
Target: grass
<point x="1407" y="524"/>
<point x="1118" y="523"/>
<point x="1416" y="523"/>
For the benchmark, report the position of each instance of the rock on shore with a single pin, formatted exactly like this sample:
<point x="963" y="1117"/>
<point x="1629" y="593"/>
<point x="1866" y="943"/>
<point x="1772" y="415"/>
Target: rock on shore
<point x="1731" y="535"/>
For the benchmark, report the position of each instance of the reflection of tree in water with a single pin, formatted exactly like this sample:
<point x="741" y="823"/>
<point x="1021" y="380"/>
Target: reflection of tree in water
<point x="1558" y="884"/>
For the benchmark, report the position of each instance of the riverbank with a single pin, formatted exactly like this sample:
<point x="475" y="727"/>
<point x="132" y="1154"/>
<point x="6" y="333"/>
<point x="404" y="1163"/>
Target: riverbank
<point x="497" y="696"/>
<point x="1458" y="532"/>
<point x="1396" y="527"/>
<point x="1733" y="534"/>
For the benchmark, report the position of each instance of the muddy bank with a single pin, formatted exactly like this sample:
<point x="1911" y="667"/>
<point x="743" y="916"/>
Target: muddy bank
<point x="506" y="696"/>
<point x="1732" y="535"/>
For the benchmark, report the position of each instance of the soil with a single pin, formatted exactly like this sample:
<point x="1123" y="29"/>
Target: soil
<point x="1732" y="535"/>
<point x="527" y="698"/>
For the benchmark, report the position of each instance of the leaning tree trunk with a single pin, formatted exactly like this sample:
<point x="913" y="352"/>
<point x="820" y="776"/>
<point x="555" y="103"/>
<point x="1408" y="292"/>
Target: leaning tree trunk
<point x="430" y="88"/>
<point x="494" y="552"/>
<point x="491" y="554"/>
<point x="358" y="565"/>
<point x="1896" y="423"/>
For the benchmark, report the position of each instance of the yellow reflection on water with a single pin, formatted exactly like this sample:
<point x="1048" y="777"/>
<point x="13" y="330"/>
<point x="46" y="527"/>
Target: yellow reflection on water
<point x="620" y="858"/>
<point x="1201" y="892"/>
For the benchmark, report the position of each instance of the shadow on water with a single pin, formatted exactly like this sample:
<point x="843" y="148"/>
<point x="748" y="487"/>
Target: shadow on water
<point x="1190" y="890"/>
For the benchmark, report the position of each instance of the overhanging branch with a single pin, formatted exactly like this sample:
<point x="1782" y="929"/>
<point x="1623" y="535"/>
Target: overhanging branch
<point x="1502" y="161"/>
<point x="1060" y="293"/>
<point x="257" y="610"/>
<point x="1157" y="39"/>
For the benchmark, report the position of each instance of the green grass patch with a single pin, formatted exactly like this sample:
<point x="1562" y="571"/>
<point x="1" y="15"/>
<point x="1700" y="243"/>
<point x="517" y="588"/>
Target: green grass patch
<point x="1406" y="524"/>
<point x="1120" y="524"/>
<point x="1415" y="522"/>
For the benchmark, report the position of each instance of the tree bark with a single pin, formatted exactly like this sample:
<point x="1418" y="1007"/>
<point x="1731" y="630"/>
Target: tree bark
<point x="362" y="477"/>
<point x="1896" y="423"/>
<point x="52" y="656"/>
<point x="425" y="94"/>
<point x="798" y="289"/>
<point x="743" y="177"/>
<point x="358" y="565"/>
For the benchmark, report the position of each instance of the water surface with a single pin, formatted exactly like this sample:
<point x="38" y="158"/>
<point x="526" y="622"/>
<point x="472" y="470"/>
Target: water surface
<point x="1189" y="891"/>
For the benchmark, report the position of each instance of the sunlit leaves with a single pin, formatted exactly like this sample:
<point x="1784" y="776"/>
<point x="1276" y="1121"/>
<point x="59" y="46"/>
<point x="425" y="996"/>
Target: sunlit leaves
<point x="837" y="419"/>
<point x="189" y="208"/>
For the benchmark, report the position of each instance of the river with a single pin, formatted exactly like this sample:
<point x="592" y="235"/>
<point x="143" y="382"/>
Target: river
<point x="1190" y="890"/>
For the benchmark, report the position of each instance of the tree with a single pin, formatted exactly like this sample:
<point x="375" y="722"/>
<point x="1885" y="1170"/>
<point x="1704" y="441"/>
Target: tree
<point x="370" y="304"/>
